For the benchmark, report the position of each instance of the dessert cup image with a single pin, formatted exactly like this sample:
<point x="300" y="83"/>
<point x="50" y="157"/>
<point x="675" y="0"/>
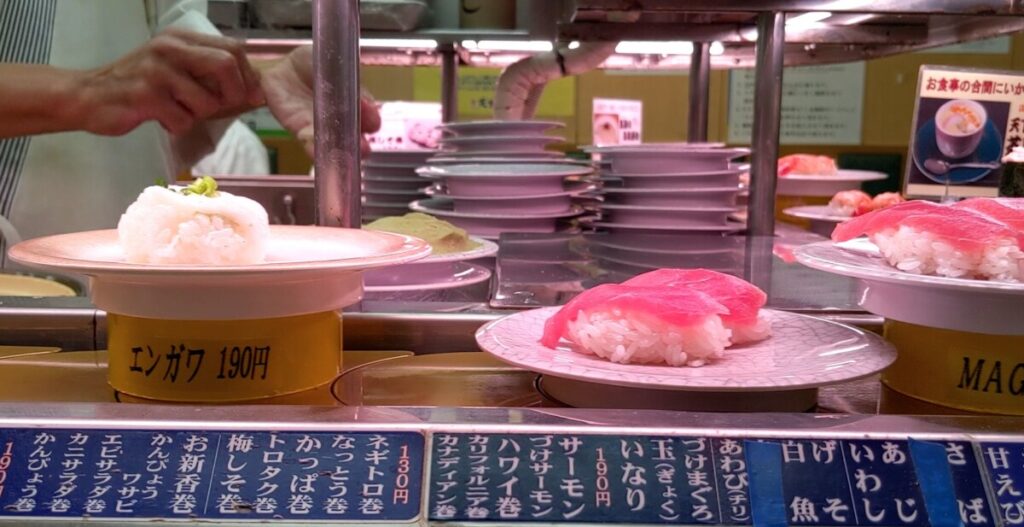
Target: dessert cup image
<point x="959" y="125"/>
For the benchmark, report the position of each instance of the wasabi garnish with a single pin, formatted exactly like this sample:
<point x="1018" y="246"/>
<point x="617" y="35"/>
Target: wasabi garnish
<point x="204" y="186"/>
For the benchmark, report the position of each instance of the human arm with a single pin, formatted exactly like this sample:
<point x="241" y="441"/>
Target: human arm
<point x="178" y="78"/>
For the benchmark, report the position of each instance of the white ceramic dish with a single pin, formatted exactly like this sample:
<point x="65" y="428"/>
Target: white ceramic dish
<point x="569" y="189"/>
<point x="690" y="181"/>
<point x="978" y="306"/>
<point x="389" y="171"/>
<point x="447" y="160"/>
<point x="434" y="268"/>
<point x="822" y="220"/>
<point x="488" y="225"/>
<point x="825" y="186"/>
<point x="308" y="270"/>
<point x="711" y="260"/>
<point x="462" y="274"/>
<point x="652" y="159"/>
<point x="803" y="352"/>
<point x="494" y="127"/>
<point x="513" y="205"/>
<point x="400" y="157"/>
<point x="668" y="243"/>
<point x="681" y="217"/>
<point x="510" y="156"/>
<point x="503" y="170"/>
<point x="654" y="228"/>
<point x="612" y="149"/>
<point x="694" y="197"/>
<point x="504" y="180"/>
<point x="498" y="143"/>
<point x="413" y="184"/>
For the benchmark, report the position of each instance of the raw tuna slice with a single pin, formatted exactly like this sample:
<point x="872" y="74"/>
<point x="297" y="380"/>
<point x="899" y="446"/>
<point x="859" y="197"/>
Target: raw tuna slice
<point x="743" y="299"/>
<point x="1007" y="210"/>
<point x="629" y="324"/>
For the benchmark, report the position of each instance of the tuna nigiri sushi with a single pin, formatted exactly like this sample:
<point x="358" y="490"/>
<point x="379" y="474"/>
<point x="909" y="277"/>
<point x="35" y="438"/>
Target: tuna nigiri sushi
<point x="743" y="299"/>
<point x="959" y="241"/>
<point x="670" y="316"/>
<point x="807" y="164"/>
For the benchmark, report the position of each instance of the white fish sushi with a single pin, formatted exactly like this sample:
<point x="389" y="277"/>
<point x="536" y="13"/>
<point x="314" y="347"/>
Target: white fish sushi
<point x="196" y="224"/>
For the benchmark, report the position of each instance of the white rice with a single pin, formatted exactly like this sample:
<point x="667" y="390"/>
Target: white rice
<point x="166" y="227"/>
<point x="625" y="338"/>
<point x="912" y="251"/>
<point x="760" y="330"/>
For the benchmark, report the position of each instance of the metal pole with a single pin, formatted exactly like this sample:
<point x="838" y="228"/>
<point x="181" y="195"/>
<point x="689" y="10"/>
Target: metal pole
<point x="449" y="83"/>
<point x="336" y="112"/>
<point x="700" y="85"/>
<point x="771" y="38"/>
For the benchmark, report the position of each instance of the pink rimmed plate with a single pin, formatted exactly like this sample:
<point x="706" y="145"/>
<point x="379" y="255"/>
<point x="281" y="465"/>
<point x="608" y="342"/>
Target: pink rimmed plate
<point x="803" y="352"/>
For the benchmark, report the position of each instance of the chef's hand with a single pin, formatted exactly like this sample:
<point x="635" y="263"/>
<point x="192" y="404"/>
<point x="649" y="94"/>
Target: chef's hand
<point x="178" y="78"/>
<point x="289" y="89"/>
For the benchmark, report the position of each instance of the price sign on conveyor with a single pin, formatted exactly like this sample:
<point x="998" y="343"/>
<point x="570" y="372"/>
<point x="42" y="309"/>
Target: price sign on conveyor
<point x="556" y="478"/>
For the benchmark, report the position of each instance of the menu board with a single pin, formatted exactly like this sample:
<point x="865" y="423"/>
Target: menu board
<point x="821" y="105"/>
<point x="210" y="475"/>
<point x="965" y="122"/>
<point x="617" y="121"/>
<point x="693" y="480"/>
<point x="550" y="478"/>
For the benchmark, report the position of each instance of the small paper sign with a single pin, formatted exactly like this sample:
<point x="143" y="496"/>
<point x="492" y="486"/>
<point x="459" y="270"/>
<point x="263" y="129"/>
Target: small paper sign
<point x="965" y="122"/>
<point x="407" y="126"/>
<point x="617" y="122"/>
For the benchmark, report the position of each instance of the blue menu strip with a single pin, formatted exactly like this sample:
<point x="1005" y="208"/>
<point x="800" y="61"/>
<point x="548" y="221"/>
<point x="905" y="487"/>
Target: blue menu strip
<point x="767" y="502"/>
<point x="936" y="481"/>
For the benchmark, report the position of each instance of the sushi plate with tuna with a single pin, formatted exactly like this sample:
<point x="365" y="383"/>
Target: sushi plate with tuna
<point x="825" y="184"/>
<point x="803" y="352"/>
<point x="962" y="304"/>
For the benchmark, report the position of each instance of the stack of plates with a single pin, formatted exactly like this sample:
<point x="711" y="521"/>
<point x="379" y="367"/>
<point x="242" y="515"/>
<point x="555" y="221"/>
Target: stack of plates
<point x="390" y="182"/>
<point x="484" y="139"/>
<point x="489" y="199"/>
<point x="668" y="188"/>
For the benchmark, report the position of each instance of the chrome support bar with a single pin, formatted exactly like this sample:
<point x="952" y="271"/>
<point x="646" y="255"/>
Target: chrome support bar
<point x="700" y="89"/>
<point x="336" y="112"/>
<point x="449" y="83"/>
<point x="771" y="37"/>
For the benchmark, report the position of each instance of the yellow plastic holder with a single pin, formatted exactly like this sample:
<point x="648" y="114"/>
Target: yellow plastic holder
<point x="957" y="369"/>
<point x="223" y="361"/>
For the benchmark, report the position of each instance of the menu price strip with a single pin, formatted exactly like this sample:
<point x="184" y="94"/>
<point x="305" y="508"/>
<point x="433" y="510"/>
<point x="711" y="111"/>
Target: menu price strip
<point x="561" y="478"/>
<point x="288" y="476"/>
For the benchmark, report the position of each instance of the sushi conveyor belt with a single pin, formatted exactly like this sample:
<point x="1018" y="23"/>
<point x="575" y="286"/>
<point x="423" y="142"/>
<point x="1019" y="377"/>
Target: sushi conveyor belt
<point x="422" y="429"/>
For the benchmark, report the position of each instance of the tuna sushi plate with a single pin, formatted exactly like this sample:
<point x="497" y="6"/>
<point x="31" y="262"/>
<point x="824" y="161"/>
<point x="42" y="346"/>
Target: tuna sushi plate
<point x="670" y="316"/>
<point x="979" y="238"/>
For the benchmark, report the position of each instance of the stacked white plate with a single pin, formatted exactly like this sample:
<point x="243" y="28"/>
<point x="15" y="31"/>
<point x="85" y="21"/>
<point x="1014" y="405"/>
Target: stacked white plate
<point x="668" y="188"/>
<point x="489" y="199"/>
<point x="390" y="182"/>
<point x="517" y="139"/>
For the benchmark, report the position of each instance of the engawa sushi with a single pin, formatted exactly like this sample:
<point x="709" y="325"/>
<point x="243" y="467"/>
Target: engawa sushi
<point x="670" y="316"/>
<point x="978" y="238"/>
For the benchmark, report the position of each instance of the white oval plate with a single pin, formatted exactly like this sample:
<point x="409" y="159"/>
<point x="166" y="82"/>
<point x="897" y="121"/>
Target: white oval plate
<point x="440" y="160"/>
<point x="803" y="352"/>
<point x="443" y="208"/>
<point x="465" y="274"/>
<point x="308" y="270"/>
<point x="825" y="186"/>
<point x="572" y="189"/>
<point x="487" y="248"/>
<point x="730" y="227"/>
<point x="511" y="156"/>
<point x="502" y="170"/>
<point x="496" y="127"/>
<point x="501" y="142"/>
<point x="961" y="304"/>
<point x="816" y="212"/>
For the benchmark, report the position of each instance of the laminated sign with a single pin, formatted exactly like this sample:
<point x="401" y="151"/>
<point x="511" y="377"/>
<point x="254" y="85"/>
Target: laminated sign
<point x="617" y="122"/>
<point x="965" y="122"/>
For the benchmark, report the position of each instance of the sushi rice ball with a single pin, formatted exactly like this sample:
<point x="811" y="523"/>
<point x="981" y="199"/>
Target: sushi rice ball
<point x="194" y="224"/>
